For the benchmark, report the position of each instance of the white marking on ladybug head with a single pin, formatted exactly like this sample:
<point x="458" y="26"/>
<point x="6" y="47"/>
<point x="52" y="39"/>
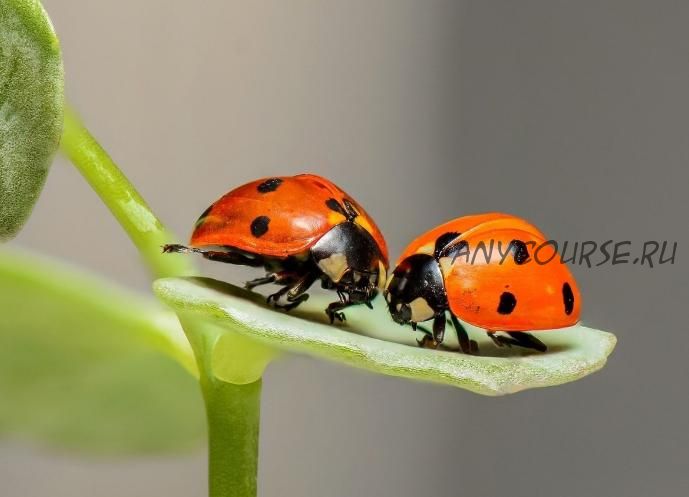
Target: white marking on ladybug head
<point x="382" y="276"/>
<point x="390" y="277"/>
<point x="445" y="265"/>
<point x="334" y="266"/>
<point x="428" y="249"/>
<point x="420" y="310"/>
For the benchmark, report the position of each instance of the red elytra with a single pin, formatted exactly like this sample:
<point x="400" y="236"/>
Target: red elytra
<point x="296" y="207"/>
<point x="302" y="229"/>
<point x="495" y="271"/>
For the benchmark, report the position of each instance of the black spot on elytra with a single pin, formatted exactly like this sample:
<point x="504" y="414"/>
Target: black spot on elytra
<point x="568" y="297"/>
<point x="269" y="185"/>
<point x="334" y="205"/>
<point x="519" y="251"/>
<point x="442" y="241"/>
<point x="507" y="303"/>
<point x="259" y="226"/>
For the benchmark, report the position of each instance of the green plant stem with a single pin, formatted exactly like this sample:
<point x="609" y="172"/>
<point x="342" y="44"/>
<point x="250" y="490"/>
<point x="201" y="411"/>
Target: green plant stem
<point x="232" y="410"/>
<point x="123" y="200"/>
<point x="233" y="421"/>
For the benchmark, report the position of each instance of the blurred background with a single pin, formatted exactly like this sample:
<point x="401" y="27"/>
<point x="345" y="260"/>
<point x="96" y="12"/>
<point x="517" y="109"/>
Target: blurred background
<point x="574" y="115"/>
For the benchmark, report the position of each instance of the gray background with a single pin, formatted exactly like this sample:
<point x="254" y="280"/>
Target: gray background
<point x="574" y="115"/>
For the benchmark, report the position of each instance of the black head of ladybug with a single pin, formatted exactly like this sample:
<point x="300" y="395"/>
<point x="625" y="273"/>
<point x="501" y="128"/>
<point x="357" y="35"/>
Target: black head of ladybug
<point x="351" y="261"/>
<point x="416" y="292"/>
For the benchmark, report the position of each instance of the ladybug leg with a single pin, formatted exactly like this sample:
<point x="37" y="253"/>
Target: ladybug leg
<point x="176" y="248"/>
<point x="465" y="344"/>
<point x="431" y="340"/>
<point x="273" y="298"/>
<point x="271" y="278"/>
<point x="333" y="310"/>
<point x="498" y="340"/>
<point x="528" y="341"/>
<point x="519" y="339"/>
<point x="214" y="255"/>
<point x="296" y="293"/>
<point x="439" y="328"/>
<point x="295" y="302"/>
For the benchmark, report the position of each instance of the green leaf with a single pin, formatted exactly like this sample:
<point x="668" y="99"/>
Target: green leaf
<point x="83" y="364"/>
<point x="369" y="340"/>
<point x="31" y="107"/>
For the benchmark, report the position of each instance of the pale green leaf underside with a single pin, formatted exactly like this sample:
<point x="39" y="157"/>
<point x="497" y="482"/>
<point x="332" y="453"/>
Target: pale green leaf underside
<point x="368" y="340"/>
<point x="81" y="364"/>
<point x="31" y="108"/>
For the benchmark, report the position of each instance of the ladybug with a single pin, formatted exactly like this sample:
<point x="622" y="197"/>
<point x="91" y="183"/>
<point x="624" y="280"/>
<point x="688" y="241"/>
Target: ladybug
<point x="301" y="229"/>
<point x="494" y="271"/>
